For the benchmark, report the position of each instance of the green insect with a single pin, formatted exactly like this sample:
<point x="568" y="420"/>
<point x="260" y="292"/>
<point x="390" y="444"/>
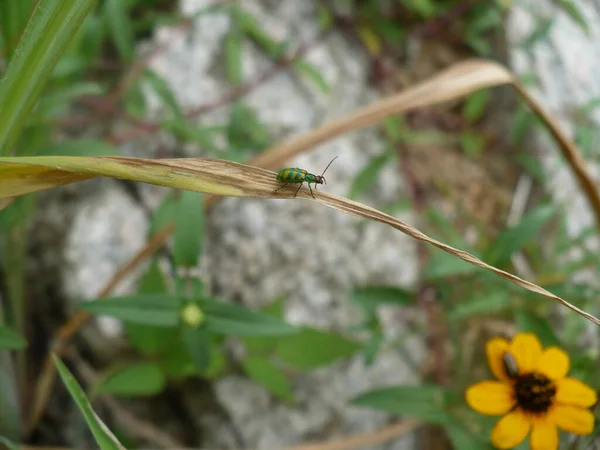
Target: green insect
<point x="292" y="176"/>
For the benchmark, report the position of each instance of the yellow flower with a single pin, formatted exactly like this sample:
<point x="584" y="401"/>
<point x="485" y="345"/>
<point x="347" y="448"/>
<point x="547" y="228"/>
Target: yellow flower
<point x="533" y="393"/>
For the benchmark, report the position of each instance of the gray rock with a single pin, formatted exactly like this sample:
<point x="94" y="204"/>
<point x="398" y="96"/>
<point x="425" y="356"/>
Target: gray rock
<point x="106" y="231"/>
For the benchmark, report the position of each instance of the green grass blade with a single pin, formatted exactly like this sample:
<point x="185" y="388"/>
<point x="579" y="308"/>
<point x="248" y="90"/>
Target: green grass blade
<point x="104" y="437"/>
<point x="161" y="310"/>
<point x="10" y="339"/>
<point x="13" y="18"/>
<point x="52" y="25"/>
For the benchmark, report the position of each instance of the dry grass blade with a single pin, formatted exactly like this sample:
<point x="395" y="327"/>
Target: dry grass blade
<point x="224" y="178"/>
<point x="357" y="209"/>
<point x="455" y="82"/>
<point x="24" y="175"/>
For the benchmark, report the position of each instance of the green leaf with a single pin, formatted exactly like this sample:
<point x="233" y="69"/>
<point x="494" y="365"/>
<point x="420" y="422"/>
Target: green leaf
<point x="11" y="340"/>
<point x="177" y="362"/>
<point x="270" y="376"/>
<point x="513" y="239"/>
<point x="189" y="228"/>
<point x="461" y="438"/>
<point x="313" y="74"/>
<point x="81" y="147"/>
<point x="369" y="297"/>
<point x="149" y="309"/>
<point x="367" y="176"/>
<point x="233" y="55"/>
<point x="161" y="217"/>
<point x="245" y="130"/>
<point x="135" y="100"/>
<point x="51" y="27"/>
<point x="162" y="89"/>
<point x="442" y="265"/>
<point x="13" y="19"/>
<point x="205" y="137"/>
<point x="10" y="445"/>
<point x="225" y="318"/>
<point x="372" y="347"/>
<point x="472" y="143"/>
<point x="573" y="11"/>
<point x="313" y="348"/>
<point x="53" y="104"/>
<point x="104" y="437"/>
<point x="486" y="302"/>
<point x="420" y="402"/>
<point x="475" y="105"/>
<point x="116" y="16"/>
<point x="540" y="327"/>
<point x="148" y="339"/>
<point x="151" y="340"/>
<point x="142" y="379"/>
<point x="197" y="342"/>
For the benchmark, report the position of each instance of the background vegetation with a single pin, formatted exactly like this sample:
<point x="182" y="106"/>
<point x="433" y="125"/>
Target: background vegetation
<point x="72" y="65"/>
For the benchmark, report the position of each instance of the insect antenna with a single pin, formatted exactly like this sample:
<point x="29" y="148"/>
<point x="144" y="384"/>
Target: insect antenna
<point x="328" y="167"/>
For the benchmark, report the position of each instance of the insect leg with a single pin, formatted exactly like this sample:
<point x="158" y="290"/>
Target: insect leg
<point x="297" y="190"/>
<point x="311" y="192"/>
<point x="282" y="186"/>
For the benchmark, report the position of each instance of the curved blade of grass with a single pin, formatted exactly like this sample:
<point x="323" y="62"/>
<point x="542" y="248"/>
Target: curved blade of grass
<point x="104" y="437"/>
<point x="455" y="82"/>
<point x="21" y="175"/>
<point x="49" y="31"/>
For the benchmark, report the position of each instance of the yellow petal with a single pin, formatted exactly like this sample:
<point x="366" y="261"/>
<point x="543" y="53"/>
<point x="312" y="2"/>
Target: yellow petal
<point x="494" y="349"/>
<point x="491" y="397"/>
<point x="574" y="392"/>
<point x="554" y="363"/>
<point x="526" y="349"/>
<point x="544" y="435"/>
<point x="572" y="418"/>
<point x="511" y="430"/>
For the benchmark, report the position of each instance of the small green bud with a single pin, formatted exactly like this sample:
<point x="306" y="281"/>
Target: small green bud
<point x="192" y="315"/>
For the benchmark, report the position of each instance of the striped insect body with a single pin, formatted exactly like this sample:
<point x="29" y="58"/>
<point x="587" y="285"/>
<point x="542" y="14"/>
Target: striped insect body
<point x="291" y="175"/>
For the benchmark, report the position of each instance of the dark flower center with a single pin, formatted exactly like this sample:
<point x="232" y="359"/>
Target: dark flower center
<point x="534" y="391"/>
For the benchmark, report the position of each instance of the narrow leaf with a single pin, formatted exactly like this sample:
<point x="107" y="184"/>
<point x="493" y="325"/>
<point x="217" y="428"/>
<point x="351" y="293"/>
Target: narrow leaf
<point x="269" y="376"/>
<point x="116" y="15"/>
<point x="141" y="379"/>
<point x="81" y="147"/>
<point x="513" y="239"/>
<point x="570" y="7"/>
<point x="534" y="324"/>
<point x="367" y="176"/>
<point x="162" y="89"/>
<point x="11" y="340"/>
<point x="420" y="402"/>
<point x="197" y="343"/>
<point x="149" y="309"/>
<point x="189" y="229"/>
<point x="104" y="437"/>
<point x="481" y="303"/>
<point x="369" y="297"/>
<point x="313" y="348"/>
<point x="50" y="29"/>
<point x="225" y="318"/>
<point x="10" y="445"/>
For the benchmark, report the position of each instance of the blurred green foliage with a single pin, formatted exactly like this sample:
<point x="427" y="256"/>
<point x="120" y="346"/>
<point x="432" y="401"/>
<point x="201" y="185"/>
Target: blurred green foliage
<point x="177" y="330"/>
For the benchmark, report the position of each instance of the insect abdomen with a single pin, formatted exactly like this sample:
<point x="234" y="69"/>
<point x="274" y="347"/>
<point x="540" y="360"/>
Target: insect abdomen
<point x="291" y="175"/>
